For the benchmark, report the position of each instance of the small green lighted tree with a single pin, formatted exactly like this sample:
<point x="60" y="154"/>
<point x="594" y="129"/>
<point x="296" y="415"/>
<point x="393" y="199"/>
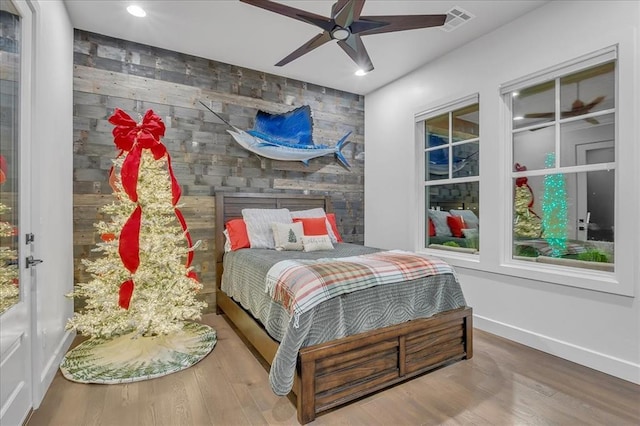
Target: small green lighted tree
<point x="554" y="209"/>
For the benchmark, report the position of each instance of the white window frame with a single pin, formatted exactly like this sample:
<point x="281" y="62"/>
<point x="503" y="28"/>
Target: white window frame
<point x="622" y="279"/>
<point x="439" y="108"/>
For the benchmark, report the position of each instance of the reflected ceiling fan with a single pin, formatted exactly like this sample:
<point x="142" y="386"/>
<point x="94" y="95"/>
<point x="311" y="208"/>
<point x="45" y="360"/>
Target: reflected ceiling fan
<point x="346" y="26"/>
<point x="578" y="107"/>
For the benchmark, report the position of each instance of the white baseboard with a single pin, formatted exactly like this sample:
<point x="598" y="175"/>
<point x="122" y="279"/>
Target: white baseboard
<point x="598" y="361"/>
<point x="51" y="367"/>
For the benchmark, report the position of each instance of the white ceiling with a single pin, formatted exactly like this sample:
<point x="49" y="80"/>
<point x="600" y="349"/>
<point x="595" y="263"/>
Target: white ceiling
<point x="240" y="34"/>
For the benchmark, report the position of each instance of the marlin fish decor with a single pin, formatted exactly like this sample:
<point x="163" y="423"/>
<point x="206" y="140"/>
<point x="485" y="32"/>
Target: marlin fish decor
<point x="286" y="136"/>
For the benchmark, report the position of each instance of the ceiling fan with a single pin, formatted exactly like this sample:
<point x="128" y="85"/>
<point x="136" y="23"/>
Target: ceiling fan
<point x="346" y="26"/>
<point x="578" y="107"/>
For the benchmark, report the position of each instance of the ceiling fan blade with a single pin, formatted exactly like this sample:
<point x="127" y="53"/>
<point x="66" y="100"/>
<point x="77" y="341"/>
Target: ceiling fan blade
<point x="539" y="115"/>
<point x="291" y="12"/>
<point x="399" y="23"/>
<point x="344" y="12"/>
<point x="315" y="42"/>
<point x="354" y="47"/>
<point x="594" y="102"/>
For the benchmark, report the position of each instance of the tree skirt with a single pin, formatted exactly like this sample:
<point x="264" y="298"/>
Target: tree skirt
<point x="129" y="359"/>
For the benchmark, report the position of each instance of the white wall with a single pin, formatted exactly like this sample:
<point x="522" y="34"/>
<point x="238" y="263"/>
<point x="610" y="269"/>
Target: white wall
<point x="593" y="328"/>
<point x="52" y="197"/>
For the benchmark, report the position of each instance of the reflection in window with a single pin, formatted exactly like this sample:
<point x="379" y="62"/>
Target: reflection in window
<point x="9" y="124"/>
<point x="451" y="177"/>
<point x="556" y="216"/>
<point x="564" y="168"/>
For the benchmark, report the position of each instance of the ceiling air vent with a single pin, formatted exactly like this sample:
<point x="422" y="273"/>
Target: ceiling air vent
<point x="456" y="17"/>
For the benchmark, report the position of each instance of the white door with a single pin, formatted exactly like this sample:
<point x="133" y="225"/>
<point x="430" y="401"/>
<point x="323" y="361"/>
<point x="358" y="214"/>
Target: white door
<point x="594" y="196"/>
<point x="16" y="277"/>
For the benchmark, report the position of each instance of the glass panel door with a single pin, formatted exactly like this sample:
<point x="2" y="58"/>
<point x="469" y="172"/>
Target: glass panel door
<point x="9" y="158"/>
<point x="16" y="281"/>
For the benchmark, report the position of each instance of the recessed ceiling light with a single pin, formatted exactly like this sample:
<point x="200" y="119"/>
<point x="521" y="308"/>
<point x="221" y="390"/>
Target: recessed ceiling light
<point x="514" y="94"/>
<point x="361" y="72"/>
<point x="519" y="117"/>
<point x="136" y="11"/>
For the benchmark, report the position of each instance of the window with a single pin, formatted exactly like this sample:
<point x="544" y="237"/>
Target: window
<point x="450" y="142"/>
<point x="563" y="145"/>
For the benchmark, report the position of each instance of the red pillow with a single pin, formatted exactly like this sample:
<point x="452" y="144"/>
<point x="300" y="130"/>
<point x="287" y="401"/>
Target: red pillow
<point x="432" y="228"/>
<point x="238" y="236"/>
<point x="456" y="224"/>
<point x="313" y="225"/>
<point x="331" y="217"/>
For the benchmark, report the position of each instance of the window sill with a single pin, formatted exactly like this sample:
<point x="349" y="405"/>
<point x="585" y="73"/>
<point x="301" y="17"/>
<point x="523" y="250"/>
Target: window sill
<point x="454" y="249"/>
<point x="528" y="268"/>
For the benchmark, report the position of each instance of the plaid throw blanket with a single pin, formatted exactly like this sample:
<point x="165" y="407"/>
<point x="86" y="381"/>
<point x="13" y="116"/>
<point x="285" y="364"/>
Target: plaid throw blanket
<point x="302" y="284"/>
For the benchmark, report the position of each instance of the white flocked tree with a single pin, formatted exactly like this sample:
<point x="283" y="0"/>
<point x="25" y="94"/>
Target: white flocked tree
<point x="159" y="294"/>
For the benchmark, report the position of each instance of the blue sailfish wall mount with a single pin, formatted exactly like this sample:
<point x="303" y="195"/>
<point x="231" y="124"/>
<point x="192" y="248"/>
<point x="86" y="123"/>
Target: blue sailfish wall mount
<point x="287" y="136"/>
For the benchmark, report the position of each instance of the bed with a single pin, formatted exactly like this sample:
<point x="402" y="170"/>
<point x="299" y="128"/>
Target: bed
<point x="326" y="372"/>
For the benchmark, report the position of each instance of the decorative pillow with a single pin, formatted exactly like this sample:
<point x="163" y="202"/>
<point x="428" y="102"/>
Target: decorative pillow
<point x="316" y="242"/>
<point x="456" y="224"/>
<point x="469" y="217"/>
<point x="439" y="218"/>
<point x="317" y="212"/>
<point x="259" y="225"/>
<point x="331" y="217"/>
<point x="237" y="236"/>
<point x="470" y="232"/>
<point x="227" y="242"/>
<point x="432" y="228"/>
<point x="287" y="236"/>
<point x="313" y="225"/>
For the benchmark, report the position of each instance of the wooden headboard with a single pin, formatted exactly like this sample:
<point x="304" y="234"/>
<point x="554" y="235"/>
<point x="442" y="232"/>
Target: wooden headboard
<point x="230" y="205"/>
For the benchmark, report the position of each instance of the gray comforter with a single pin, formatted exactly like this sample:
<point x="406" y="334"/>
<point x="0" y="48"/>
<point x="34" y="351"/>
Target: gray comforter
<point x="364" y="310"/>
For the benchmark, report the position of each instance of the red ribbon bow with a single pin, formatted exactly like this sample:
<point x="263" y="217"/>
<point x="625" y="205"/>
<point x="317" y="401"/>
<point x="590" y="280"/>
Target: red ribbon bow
<point x="132" y="138"/>
<point x="147" y="134"/>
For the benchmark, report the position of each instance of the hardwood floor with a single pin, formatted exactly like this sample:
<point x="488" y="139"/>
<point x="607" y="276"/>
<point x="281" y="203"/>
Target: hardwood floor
<point x="505" y="383"/>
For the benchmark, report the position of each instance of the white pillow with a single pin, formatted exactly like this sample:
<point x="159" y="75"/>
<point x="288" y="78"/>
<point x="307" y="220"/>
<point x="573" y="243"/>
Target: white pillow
<point x="288" y="236"/>
<point x="259" y="225"/>
<point x="439" y="219"/>
<point x="317" y="212"/>
<point x="227" y="242"/>
<point x="316" y="242"/>
<point x="470" y="232"/>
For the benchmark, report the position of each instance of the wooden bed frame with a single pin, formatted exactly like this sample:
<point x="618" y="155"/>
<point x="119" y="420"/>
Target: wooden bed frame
<point x="333" y="373"/>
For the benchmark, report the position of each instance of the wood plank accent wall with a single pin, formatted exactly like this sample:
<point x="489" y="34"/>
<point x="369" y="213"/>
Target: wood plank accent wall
<point x="111" y="73"/>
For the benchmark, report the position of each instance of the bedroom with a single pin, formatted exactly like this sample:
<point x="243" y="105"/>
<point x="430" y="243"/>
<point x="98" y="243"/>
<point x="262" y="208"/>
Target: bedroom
<point x="598" y="329"/>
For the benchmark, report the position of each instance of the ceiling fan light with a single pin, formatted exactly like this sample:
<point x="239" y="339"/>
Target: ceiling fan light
<point x="136" y="11"/>
<point x="340" y="33"/>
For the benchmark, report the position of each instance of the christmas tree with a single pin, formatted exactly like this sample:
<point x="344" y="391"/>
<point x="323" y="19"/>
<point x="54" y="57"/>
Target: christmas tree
<point x="526" y="222"/>
<point x="9" y="290"/>
<point x="142" y="282"/>
<point x="554" y="210"/>
<point x="143" y="288"/>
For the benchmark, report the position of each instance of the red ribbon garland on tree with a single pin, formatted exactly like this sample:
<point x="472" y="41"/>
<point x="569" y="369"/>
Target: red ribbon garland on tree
<point x="132" y="138"/>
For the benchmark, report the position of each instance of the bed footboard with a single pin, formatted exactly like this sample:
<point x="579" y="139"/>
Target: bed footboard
<point x="340" y="371"/>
